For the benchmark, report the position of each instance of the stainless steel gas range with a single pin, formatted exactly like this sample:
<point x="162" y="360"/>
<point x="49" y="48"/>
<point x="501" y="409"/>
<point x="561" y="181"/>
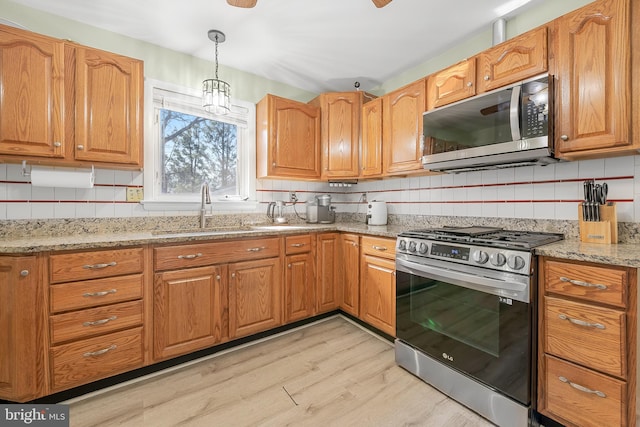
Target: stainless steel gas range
<point x="466" y="315"/>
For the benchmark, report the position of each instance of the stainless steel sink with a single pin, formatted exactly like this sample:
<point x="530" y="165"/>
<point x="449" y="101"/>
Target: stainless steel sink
<point x="279" y="227"/>
<point x="203" y="231"/>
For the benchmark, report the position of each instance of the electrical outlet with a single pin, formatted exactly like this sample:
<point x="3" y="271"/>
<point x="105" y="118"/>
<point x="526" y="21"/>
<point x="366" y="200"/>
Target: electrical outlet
<point x="292" y="197"/>
<point x="134" y="194"/>
<point x="364" y="197"/>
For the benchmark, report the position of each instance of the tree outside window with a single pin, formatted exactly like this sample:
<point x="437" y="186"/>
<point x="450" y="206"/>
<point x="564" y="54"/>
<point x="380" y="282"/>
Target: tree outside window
<point x="196" y="150"/>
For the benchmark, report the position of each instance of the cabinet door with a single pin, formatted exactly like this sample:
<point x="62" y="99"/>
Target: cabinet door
<point x="22" y="321"/>
<point x="255" y="298"/>
<point x="452" y="84"/>
<point x="516" y="59"/>
<point x="378" y="293"/>
<point x="298" y="287"/>
<point x="371" y="162"/>
<point x="288" y="139"/>
<point x="32" y="95"/>
<point x="187" y="312"/>
<point x="328" y="275"/>
<point x="594" y="96"/>
<point x="350" y="273"/>
<point x="109" y="92"/>
<point x="340" y="134"/>
<point x="402" y="128"/>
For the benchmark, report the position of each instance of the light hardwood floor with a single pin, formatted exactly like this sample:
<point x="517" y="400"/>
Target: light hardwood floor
<point x="330" y="373"/>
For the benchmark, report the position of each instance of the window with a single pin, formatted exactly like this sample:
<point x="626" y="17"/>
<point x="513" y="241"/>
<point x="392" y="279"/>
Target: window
<point x="186" y="146"/>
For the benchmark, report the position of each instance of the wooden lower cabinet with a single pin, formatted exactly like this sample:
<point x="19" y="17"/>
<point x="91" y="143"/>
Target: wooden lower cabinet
<point x="328" y="274"/>
<point x="587" y="343"/>
<point x="378" y="283"/>
<point x="299" y="277"/>
<point x="22" y="321"/>
<point x="350" y="273"/>
<point x="254" y="297"/>
<point x="188" y="307"/>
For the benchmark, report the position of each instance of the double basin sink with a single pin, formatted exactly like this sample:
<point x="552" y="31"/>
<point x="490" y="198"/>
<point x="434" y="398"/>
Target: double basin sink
<point x="212" y="231"/>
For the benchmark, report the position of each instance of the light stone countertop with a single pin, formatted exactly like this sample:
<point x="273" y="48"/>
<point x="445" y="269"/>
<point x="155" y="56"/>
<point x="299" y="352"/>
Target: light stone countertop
<point x="625" y="254"/>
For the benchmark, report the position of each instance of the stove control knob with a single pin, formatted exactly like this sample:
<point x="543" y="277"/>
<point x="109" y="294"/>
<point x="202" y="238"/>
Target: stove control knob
<point x="423" y="248"/>
<point x="402" y="245"/>
<point x="498" y="259"/>
<point x="515" y="262"/>
<point x="480" y="257"/>
<point x="412" y="246"/>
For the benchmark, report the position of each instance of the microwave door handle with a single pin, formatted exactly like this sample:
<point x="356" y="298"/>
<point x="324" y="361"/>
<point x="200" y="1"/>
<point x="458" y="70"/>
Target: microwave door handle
<point x="514" y="113"/>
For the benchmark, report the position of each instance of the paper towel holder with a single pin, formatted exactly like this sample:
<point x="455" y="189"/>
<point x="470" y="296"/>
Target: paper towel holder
<point x="88" y="184"/>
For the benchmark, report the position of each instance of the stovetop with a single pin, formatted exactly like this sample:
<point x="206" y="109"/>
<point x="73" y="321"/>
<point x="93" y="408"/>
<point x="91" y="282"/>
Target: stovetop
<point x="486" y="236"/>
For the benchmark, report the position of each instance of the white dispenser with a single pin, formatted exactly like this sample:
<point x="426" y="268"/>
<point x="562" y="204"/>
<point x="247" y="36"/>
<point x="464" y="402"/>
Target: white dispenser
<point x="377" y="213"/>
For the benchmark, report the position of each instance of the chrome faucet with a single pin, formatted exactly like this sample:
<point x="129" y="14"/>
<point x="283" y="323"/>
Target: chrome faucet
<point x="205" y="199"/>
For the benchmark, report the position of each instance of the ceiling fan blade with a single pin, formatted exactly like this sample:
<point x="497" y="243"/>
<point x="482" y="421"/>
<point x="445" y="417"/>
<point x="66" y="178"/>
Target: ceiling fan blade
<point x="244" y="3"/>
<point x="381" y="3"/>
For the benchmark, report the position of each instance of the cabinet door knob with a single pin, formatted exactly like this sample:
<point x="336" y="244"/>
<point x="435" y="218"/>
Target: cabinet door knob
<point x="218" y="277"/>
<point x="80" y="147"/>
<point x="289" y="265"/>
<point x="564" y="137"/>
<point x="24" y="273"/>
<point x="486" y="77"/>
<point x="469" y="84"/>
<point x="233" y="275"/>
<point x="57" y="144"/>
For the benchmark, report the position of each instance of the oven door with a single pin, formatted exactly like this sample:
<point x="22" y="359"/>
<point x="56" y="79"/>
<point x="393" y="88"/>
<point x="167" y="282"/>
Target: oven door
<point x="473" y="326"/>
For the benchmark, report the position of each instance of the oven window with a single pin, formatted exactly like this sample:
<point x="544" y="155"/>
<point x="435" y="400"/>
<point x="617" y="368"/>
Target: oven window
<point x="465" y="315"/>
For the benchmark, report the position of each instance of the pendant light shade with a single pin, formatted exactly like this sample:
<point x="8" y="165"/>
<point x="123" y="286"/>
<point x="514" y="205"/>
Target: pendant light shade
<point x="216" y="93"/>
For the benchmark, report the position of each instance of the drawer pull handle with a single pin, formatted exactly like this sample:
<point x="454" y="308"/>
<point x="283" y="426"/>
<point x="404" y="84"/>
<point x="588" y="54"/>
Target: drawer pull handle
<point x="190" y="256"/>
<point x="100" y="322"/>
<point x="99" y="352"/>
<point x="582" y="388"/>
<point x="297" y="245"/>
<point x="379" y="248"/>
<point x="581" y="322"/>
<point x="583" y="284"/>
<point x="99" y="294"/>
<point x="99" y="266"/>
<point x="255" y="249"/>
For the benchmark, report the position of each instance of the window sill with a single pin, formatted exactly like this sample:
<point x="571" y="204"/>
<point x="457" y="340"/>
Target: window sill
<point x="188" y="205"/>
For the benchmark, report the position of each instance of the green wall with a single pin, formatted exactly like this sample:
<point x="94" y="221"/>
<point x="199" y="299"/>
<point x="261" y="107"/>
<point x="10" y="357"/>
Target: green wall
<point x="189" y="71"/>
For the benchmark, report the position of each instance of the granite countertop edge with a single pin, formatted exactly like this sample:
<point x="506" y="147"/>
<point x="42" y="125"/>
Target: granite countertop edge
<point x="626" y="254"/>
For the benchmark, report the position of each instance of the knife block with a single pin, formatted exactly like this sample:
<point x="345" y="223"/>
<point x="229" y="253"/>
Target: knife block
<point x="604" y="231"/>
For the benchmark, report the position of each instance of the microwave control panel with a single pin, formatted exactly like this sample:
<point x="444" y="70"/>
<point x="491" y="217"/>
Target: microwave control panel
<point x="535" y="109"/>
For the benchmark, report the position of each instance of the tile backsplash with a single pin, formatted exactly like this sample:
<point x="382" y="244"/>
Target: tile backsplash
<point x="531" y="192"/>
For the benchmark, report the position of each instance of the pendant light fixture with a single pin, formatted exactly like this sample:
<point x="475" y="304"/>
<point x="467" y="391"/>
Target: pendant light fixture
<point x="216" y="94"/>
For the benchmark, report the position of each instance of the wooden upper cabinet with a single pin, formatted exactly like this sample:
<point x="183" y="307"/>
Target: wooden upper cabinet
<point x="592" y="52"/>
<point x="402" y="112"/>
<point x="288" y="139"/>
<point x="340" y="133"/>
<point x="371" y="147"/>
<point x="513" y="60"/>
<point x="452" y="84"/>
<point x="109" y="92"/>
<point x="32" y="94"/>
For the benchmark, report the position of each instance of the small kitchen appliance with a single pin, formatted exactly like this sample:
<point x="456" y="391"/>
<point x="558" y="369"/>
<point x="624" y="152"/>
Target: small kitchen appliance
<point x="377" y="213"/>
<point x="275" y="212"/>
<point x="466" y="316"/>
<point x="326" y="213"/>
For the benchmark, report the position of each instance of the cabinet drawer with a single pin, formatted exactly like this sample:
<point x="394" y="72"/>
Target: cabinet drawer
<point x="93" y="293"/>
<point x="378" y="246"/>
<point x="95" y="321"/>
<point x="201" y="254"/>
<point x="297" y="244"/>
<point x="89" y="360"/>
<point x="570" y="394"/>
<point x="92" y="265"/>
<point x="589" y="335"/>
<point x="604" y="285"/>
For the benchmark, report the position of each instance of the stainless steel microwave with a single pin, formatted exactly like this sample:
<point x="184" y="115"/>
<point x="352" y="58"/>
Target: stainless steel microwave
<point x="509" y="126"/>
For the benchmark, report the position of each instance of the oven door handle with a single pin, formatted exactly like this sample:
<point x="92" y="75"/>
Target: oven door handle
<point x="511" y="289"/>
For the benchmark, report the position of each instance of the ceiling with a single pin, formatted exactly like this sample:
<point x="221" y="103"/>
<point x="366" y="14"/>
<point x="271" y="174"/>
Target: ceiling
<point x="321" y="45"/>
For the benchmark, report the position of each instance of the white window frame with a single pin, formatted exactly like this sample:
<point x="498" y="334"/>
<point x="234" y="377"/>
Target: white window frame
<point x="160" y="94"/>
